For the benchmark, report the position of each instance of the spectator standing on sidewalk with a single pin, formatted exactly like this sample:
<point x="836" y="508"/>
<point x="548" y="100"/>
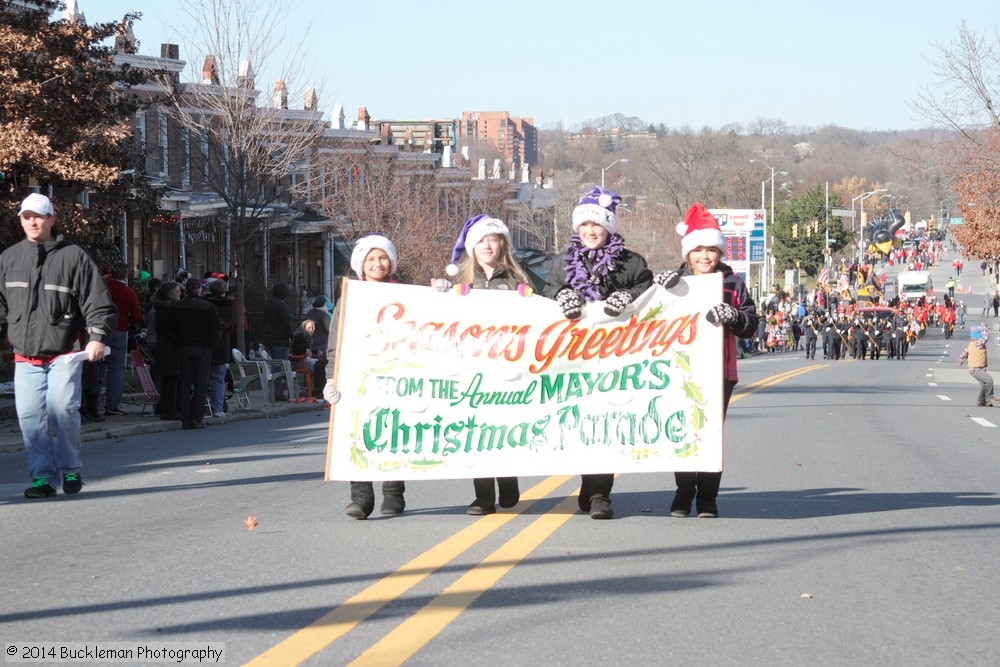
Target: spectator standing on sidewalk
<point x="50" y="289"/>
<point x="320" y="340"/>
<point x="218" y="296"/>
<point x="975" y="354"/>
<point x="276" y="332"/>
<point x="129" y="313"/>
<point x="194" y="326"/>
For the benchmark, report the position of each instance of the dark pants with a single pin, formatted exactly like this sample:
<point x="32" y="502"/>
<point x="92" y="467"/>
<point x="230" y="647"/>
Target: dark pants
<point x="196" y="362"/>
<point x="703" y="485"/>
<point x="810" y="347"/>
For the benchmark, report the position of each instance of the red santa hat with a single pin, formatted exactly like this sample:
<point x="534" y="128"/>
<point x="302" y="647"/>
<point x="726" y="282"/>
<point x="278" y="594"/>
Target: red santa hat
<point x="700" y="228"/>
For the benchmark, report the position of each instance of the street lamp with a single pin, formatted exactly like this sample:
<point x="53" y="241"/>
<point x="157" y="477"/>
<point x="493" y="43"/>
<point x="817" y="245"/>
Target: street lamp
<point x="623" y="160"/>
<point x="762" y="184"/>
<point x="862" y="197"/>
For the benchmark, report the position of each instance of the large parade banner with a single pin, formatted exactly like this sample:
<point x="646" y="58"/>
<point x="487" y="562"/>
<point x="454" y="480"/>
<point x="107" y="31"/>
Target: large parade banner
<point x="492" y="384"/>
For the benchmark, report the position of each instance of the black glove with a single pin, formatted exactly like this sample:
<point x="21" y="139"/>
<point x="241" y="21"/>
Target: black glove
<point x="667" y="279"/>
<point x="722" y="314"/>
<point x="571" y="303"/>
<point x="615" y="304"/>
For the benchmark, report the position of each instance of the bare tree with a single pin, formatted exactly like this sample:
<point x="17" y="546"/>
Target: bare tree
<point x="252" y="146"/>
<point x="967" y="83"/>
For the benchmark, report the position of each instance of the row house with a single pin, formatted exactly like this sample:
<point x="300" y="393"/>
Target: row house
<point x="305" y="201"/>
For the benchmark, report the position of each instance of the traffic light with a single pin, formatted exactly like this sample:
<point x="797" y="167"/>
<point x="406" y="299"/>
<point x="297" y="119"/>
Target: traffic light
<point x="795" y="230"/>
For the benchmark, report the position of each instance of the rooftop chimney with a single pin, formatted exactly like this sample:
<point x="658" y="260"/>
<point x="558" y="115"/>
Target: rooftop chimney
<point x="170" y="52"/>
<point x="279" y="98"/>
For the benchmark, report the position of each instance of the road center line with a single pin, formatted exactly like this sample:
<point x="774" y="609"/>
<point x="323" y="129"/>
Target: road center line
<point x="332" y="626"/>
<point x="415" y="632"/>
<point x="984" y="422"/>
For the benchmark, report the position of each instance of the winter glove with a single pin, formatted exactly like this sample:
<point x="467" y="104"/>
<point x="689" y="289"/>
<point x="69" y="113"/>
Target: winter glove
<point x="441" y="284"/>
<point x="722" y="314"/>
<point x="330" y="392"/>
<point x="571" y="303"/>
<point x="615" y="304"/>
<point x="667" y="279"/>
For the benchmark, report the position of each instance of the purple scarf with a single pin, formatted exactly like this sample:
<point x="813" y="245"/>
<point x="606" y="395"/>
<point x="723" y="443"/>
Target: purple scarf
<point x="590" y="281"/>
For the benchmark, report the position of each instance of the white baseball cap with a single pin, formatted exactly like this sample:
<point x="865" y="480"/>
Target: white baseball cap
<point x="37" y="203"/>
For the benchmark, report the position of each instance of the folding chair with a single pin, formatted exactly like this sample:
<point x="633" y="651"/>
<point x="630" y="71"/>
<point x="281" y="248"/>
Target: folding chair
<point x="251" y="372"/>
<point x="150" y="394"/>
<point x="286" y="366"/>
<point x="298" y="362"/>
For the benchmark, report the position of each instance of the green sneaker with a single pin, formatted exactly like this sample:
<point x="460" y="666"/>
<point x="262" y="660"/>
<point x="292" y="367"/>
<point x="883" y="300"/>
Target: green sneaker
<point x="72" y="483"/>
<point x="40" y="488"/>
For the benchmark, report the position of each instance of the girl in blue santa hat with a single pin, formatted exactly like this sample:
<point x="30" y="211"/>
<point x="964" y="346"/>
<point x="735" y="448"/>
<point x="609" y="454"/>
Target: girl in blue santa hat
<point x="596" y="267"/>
<point x="482" y="259"/>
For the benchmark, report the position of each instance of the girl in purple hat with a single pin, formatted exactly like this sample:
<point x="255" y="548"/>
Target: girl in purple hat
<point x="482" y="259"/>
<point x="596" y="267"/>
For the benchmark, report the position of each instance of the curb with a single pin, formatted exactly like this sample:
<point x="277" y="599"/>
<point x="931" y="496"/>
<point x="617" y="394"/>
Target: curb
<point x="156" y="425"/>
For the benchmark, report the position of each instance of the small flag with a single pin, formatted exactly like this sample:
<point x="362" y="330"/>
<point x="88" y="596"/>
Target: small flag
<point x="824" y="277"/>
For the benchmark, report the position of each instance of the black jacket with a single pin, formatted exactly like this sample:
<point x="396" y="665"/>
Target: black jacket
<point x="222" y="352"/>
<point x="49" y="292"/>
<point x="276" y="324"/>
<point x="193" y="322"/>
<point x="630" y="274"/>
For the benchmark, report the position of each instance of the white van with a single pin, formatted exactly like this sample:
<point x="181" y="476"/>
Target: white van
<point x="912" y="285"/>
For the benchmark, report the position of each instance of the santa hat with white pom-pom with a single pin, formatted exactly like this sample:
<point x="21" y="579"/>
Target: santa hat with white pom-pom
<point x="700" y="229"/>
<point x="597" y="206"/>
<point x="472" y="233"/>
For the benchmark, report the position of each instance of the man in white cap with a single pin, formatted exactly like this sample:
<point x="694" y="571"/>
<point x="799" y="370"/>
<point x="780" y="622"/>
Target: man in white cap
<point x="51" y="295"/>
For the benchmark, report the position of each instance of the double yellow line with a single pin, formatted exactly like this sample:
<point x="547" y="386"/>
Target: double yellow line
<point x="416" y="631"/>
<point x="772" y="380"/>
<point x="403" y="642"/>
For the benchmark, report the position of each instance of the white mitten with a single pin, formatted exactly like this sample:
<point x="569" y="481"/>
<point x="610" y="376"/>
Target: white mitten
<point x="330" y="392"/>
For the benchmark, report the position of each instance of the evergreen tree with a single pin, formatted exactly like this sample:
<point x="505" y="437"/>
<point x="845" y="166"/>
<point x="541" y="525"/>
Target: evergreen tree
<point x="806" y="247"/>
<point x="66" y="119"/>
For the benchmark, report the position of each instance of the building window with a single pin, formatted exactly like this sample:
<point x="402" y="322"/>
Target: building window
<point x="204" y="158"/>
<point x="164" y="146"/>
<point x="140" y="129"/>
<point x="185" y="157"/>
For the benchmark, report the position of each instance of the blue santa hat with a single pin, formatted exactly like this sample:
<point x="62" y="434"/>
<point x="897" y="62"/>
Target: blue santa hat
<point x="976" y="333"/>
<point x="597" y="206"/>
<point x="472" y="233"/>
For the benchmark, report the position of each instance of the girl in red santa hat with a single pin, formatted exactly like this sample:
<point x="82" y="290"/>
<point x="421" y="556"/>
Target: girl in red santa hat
<point x="702" y="247"/>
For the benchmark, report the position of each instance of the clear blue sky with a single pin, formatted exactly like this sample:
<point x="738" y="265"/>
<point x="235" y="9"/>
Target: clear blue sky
<point x="697" y="63"/>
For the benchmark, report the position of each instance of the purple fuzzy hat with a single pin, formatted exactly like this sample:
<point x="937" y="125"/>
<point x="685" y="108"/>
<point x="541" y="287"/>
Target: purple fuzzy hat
<point x="597" y="206"/>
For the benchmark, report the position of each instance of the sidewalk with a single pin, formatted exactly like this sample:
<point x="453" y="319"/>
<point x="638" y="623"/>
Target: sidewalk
<point x="137" y="423"/>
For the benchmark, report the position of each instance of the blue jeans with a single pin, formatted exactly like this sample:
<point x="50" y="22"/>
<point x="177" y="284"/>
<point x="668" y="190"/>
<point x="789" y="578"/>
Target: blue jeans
<point x="115" y="365"/>
<point x="48" y="410"/>
<point x="217" y="387"/>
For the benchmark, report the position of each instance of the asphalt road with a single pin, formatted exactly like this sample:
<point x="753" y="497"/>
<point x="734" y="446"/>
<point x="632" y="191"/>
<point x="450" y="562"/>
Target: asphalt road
<point x="859" y="523"/>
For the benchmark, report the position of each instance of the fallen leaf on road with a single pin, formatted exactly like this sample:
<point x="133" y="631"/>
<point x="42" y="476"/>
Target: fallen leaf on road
<point x="251" y="522"/>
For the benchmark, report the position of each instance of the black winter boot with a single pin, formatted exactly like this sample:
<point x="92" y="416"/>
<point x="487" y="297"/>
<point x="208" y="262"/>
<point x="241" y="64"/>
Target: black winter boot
<point x="485" y="502"/>
<point x="686" y="489"/>
<point x="392" y="498"/>
<point x="362" y="500"/>
<point x="510" y="494"/>
<point x="708" y="491"/>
